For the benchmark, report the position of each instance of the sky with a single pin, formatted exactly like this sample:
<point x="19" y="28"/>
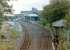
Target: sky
<point x="22" y="5"/>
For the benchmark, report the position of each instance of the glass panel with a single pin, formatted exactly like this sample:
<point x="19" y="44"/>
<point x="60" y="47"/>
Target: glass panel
<point x="27" y="18"/>
<point x="35" y="18"/>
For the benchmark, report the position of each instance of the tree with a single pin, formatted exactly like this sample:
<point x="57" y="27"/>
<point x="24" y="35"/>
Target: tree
<point x="53" y="12"/>
<point x="4" y="8"/>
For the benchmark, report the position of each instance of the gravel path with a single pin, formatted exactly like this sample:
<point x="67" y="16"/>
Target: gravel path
<point x="40" y="39"/>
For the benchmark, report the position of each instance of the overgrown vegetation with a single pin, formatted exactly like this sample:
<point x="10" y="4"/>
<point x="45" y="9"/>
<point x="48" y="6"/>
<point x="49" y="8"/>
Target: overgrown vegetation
<point x="54" y="12"/>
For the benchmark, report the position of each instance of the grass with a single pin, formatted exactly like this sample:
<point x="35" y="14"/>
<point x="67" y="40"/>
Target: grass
<point x="8" y="45"/>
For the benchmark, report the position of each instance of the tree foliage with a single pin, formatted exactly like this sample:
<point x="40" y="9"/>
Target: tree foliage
<point x="4" y="9"/>
<point x="53" y="12"/>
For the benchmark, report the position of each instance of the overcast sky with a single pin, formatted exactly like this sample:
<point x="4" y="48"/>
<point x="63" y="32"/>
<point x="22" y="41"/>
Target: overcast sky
<point x="20" y="5"/>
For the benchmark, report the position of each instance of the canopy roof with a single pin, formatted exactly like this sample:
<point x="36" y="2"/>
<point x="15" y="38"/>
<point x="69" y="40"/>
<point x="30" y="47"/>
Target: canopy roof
<point x="59" y="23"/>
<point x="32" y="15"/>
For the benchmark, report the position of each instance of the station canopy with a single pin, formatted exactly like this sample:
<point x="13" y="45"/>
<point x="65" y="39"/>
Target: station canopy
<point x="32" y="15"/>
